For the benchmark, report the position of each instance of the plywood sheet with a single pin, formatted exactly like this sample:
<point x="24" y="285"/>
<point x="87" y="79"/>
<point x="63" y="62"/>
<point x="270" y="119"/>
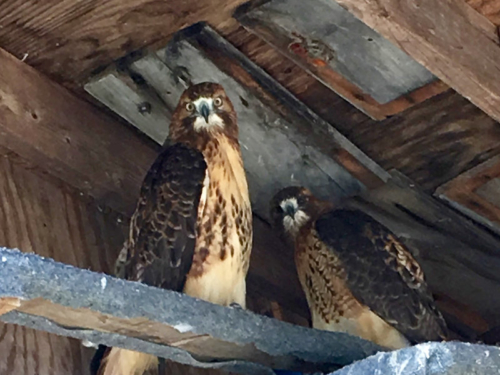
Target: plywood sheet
<point x="340" y="50"/>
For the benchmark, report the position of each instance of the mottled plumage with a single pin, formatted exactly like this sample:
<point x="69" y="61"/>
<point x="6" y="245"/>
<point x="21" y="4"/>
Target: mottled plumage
<point x="358" y="277"/>
<point x="192" y="228"/>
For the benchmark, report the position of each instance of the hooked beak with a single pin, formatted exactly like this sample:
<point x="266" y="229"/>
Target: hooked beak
<point x="290" y="210"/>
<point x="204" y="110"/>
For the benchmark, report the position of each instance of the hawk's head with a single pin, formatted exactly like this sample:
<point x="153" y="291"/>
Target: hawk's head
<point x="291" y="209"/>
<point x="204" y="109"/>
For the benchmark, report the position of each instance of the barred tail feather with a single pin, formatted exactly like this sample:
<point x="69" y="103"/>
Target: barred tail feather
<point x="126" y="362"/>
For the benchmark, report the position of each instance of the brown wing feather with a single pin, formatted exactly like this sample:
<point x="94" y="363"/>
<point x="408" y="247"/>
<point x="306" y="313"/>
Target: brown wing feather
<point x="162" y="235"/>
<point x="382" y="274"/>
<point x="163" y="228"/>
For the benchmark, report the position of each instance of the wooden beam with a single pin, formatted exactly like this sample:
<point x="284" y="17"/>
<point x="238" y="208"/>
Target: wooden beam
<point x="350" y="58"/>
<point x="88" y="305"/>
<point x="69" y="39"/>
<point x="47" y="125"/>
<point x="39" y="213"/>
<point x="431" y="143"/>
<point x="476" y="193"/>
<point x="270" y="118"/>
<point x="54" y="132"/>
<point x="444" y="37"/>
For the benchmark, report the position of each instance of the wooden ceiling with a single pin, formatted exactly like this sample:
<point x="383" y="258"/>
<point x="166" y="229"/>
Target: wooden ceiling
<point x="432" y="142"/>
<point x="69" y="39"/>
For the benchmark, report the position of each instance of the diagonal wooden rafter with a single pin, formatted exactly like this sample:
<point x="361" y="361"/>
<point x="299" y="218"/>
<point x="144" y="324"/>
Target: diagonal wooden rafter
<point x="448" y="37"/>
<point x="57" y="133"/>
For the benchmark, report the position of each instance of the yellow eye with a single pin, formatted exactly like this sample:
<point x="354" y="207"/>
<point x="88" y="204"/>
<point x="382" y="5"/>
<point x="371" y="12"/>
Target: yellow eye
<point x="217" y="102"/>
<point x="190" y="107"/>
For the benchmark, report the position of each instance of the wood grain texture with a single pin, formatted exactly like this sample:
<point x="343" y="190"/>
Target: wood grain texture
<point x="68" y="39"/>
<point x="326" y="103"/>
<point x="348" y="57"/>
<point x="476" y="193"/>
<point x="489" y="8"/>
<point x="45" y="123"/>
<point x="432" y="142"/>
<point x="440" y="35"/>
<point x="39" y="214"/>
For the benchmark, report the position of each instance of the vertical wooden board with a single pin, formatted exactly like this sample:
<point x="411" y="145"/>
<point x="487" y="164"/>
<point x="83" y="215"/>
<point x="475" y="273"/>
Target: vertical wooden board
<point x="38" y="214"/>
<point x="283" y="143"/>
<point x="343" y="53"/>
<point x="29" y="352"/>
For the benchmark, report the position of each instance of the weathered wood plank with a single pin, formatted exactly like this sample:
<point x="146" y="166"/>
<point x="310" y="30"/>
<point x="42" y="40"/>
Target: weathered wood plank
<point x="442" y="37"/>
<point x="432" y="142"/>
<point x="343" y="53"/>
<point x="71" y="140"/>
<point x="323" y="101"/>
<point x="47" y="125"/>
<point x="84" y="303"/>
<point x="476" y="193"/>
<point x="146" y="108"/>
<point x="270" y="118"/>
<point x="68" y="39"/>
<point x="460" y="259"/>
<point x="40" y="214"/>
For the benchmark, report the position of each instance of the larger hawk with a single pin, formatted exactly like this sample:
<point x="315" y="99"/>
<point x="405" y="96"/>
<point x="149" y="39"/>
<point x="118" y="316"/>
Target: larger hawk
<point x="192" y="228"/>
<point x="356" y="274"/>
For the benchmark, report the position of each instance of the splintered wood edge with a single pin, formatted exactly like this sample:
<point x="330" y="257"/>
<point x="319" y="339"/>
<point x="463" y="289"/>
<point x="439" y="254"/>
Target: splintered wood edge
<point x="202" y="345"/>
<point x="7" y="304"/>
<point x="78" y="303"/>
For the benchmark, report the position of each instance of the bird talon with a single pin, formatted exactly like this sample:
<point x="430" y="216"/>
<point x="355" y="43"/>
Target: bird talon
<point x="235" y="305"/>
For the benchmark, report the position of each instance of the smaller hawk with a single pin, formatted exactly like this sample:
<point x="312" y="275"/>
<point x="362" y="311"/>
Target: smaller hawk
<point x="358" y="277"/>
